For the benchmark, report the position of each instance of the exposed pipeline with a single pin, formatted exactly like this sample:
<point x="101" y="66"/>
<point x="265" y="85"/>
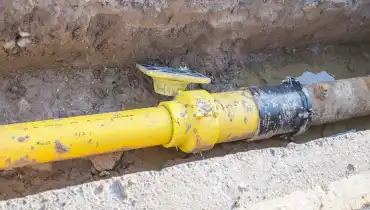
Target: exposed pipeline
<point x="194" y="121"/>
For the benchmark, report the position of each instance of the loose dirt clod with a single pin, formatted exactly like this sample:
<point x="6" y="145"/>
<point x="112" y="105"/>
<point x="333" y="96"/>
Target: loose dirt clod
<point x="24" y="34"/>
<point x="60" y="147"/>
<point x="24" y="42"/>
<point x="9" y="45"/>
<point x="106" y="161"/>
<point x="24" y="105"/>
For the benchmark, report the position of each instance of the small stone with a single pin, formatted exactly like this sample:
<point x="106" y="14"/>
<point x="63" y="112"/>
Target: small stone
<point x="351" y="167"/>
<point x="44" y="207"/>
<point x="104" y="173"/>
<point x="9" y="45"/>
<point x="24" y="42"/>
<point x="24" y="105"/>
<point x="99" y="189"/>
<point x="24" y="34"/>
<point x="93" y="170"/>
<point x="105" y="162"/>
<point x="242" y="188"/>
<point x="272" y="152"/>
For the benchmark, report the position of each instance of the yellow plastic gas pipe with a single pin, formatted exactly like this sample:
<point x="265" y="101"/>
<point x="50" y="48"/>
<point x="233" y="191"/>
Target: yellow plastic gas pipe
<point x="193" y="121"/>
<point x="66" y="138"/>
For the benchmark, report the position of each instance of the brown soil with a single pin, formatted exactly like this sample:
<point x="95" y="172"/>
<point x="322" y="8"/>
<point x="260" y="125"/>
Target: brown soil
<point x="115" y="33"/>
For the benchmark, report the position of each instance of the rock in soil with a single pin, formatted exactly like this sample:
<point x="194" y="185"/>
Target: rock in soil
<point x="105" y="162"/>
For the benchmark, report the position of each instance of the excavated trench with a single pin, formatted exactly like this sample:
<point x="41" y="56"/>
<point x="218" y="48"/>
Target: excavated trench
<point x="67" y="58"/>
<point x="48" y="94"/>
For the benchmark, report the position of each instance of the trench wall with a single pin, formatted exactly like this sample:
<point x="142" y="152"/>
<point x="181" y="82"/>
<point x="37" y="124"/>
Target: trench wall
<point x="96" y="33"/>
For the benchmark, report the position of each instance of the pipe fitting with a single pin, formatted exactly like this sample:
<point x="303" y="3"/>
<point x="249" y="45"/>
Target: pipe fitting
<point x="284" y="109"/>
<point x="195" y="121"/>
<point x="200" y="119"/>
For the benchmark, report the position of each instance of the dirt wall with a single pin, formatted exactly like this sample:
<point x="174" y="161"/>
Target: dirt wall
<point x="96" y="33"/>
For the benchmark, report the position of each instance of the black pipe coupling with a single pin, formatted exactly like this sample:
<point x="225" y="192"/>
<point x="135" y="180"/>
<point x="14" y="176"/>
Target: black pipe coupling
<point x="283" y="109"/>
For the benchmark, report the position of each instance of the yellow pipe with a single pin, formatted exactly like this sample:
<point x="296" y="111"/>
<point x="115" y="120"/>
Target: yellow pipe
<point x="193" y="121"/>
<point x="52" y="140"/>
<point x="238" y="115"/>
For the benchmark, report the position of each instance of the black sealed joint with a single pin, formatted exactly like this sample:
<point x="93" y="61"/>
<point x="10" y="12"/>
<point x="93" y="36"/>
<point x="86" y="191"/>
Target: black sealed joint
<point x="283" y="109"/>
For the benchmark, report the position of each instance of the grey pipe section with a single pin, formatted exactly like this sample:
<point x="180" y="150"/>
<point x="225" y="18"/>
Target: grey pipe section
<point x="339" y="100"/>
